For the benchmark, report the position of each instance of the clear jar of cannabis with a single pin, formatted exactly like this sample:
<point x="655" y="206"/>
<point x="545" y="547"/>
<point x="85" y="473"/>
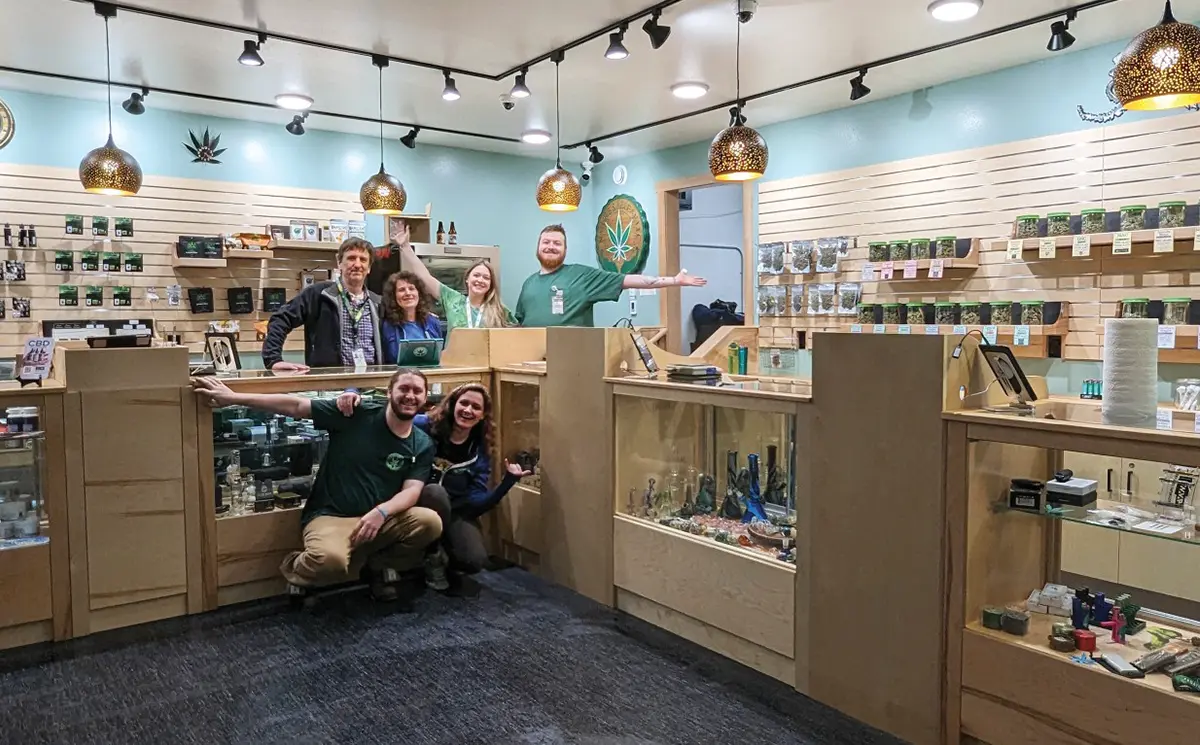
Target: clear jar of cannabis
<point x="1133" y="217"/>
<point x="1058" y="223"/>
<point x="969" y="315"/>
<point x="1171" y="214"/>
<point x="1135" y="307"/>
<point x="866" y="313"/>
<point x="898" y="251"/>
<point x="1027" y="226"/>
<point x="877" y="251"/>
<point x="915" y="314"/>
<point x="1031" y="312"/>
<point x="1001" y="312"/>
<point x="947" y="247"/>
<point x="1093" y="221"/>
<point x="1175" y="311"/>
<point x="944" y="313"/>
<point x="891" y="313"/>
<point x="918" y="248"/>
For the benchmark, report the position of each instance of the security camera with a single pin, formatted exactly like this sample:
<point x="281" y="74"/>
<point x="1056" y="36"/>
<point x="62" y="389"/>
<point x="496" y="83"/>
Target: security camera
<point x="586" y="176"/>
<point x="508" y="102"/>
<point x="746" y="10"/>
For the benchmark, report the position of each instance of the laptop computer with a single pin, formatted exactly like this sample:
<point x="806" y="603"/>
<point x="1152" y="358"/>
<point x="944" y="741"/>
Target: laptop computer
<point x="419" y="353"/>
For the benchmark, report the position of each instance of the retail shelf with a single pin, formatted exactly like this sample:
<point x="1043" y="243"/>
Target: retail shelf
<point x="967" y="263"/>
<point x="180" y="262"/>
<point x="288" y="245"/>
<point x="227" y="517"/>
<point x="1150" y="527"/>
<point x="1044" y="341"/>
<point x="255" y="254"/>
<point x="1141" y="243"/>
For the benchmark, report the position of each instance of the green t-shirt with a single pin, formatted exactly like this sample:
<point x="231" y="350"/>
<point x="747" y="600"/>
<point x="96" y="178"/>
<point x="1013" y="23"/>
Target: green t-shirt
<point x="565" y="297"/>
<point x="366" y="464"/>
<point x="459" y="314"/>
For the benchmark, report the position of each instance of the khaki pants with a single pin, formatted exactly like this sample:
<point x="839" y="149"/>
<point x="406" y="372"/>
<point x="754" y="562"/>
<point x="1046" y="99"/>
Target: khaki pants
<point x="329" y="559"/>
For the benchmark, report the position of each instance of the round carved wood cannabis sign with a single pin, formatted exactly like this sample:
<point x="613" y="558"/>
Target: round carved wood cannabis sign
<point x="622" y="236"/>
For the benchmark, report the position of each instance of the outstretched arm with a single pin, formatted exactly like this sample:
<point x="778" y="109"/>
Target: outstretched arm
<point x="218" y="394"/>
<point x="410" y="261"/>
<point x="643" y="282"/>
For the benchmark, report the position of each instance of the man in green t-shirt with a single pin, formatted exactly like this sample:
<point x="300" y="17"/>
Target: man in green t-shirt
<point x="563" y="294"/>
<point x="362" y="510"/>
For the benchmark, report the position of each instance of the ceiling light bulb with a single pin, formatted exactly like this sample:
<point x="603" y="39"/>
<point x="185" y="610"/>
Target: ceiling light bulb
<point x="519" y="89"/>
<point x="250" y="56"/>
<point x="293" y="101"/>
<point x="535" y="137"/>
<point x="616" y="45"/>
<point x="954" y="10"/>
<point x="450" y="92"/>
<point x="689" y="90"/>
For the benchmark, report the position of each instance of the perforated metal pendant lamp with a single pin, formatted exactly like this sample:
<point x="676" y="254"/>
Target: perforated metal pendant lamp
<point x="382" y="194"/>
<point x="108" y="169"/>
<point x="558" y="190"/>
<point x="1160" y="69"/>
<point x="738" y="152"/>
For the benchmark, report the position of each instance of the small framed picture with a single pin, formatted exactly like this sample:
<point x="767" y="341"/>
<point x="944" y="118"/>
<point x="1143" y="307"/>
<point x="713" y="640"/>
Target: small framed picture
<point x="222" y="349"/>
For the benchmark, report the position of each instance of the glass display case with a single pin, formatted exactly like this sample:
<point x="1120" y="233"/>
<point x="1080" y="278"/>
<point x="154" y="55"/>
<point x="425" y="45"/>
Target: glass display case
<point x="24" y="520"/>
<point x="717" y="472"/>
<point x="518" y="419"/>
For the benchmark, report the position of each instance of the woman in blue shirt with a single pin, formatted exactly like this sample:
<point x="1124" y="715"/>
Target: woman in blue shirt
<point x="406" y="314"/>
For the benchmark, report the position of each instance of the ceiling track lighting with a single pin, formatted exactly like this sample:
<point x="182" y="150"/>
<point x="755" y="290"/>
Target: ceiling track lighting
<point x="595" y="157"/>
<point x="296" y="126"/>
<point x="250" y="56"/>
<point x="1160" y="69"/>
<point x="108" y="169"/>
<point x="858" y="88"/>
<point x="1060" y="37"/>
<point x="519" y="89"/>
<point x="558" y="190"/>
<point x="737" y="153"/>
<point x="450" y="91"/>
<point x="382" y="194"/>
<point x="657" y="32"/>
<point x="410" y="140"/>
<point x="135" y="105"/>
<point x="952" y="11"/>
<point x="616" y="44"/>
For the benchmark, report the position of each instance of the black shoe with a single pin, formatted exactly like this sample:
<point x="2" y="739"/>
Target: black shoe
<point x="462" y="586"/>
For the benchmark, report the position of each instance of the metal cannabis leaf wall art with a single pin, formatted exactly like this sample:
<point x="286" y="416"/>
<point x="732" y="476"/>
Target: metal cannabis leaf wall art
<point x="204" y="149"/>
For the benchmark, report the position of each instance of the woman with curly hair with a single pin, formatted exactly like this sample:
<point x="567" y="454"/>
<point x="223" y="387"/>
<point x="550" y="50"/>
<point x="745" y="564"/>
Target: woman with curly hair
<point x="406" y="314"/>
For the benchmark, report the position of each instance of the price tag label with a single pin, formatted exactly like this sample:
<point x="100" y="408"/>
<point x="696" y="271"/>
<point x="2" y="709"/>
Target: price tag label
<point x="1196" y="241"/>
<point x="1014" y="249"/>
<point x="879" y="328"/>
<point x="905" y="329"/>
<point x="937" y="268"/>
<point x="910" y="269"/>
<point x="1020" y="336"/>
<point x="1166" y="337"/>
<point x="931" y="330"/>
<point x="989" y="333"/>
<point x="888" y="269"/>
<point x="868" y="273"/>
<point x="1163" y="419"/>
<point x="1196" y="424"/>
<point x="856" y="329"/>
<point x="1046" y="248"/>
<point x="960" y="330"/>
<point x="1081" y="245"/>
<point x="1164" y="241"/>
<point x="1122" y="243"/>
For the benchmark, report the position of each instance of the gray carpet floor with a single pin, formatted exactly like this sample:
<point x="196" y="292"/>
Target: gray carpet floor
<point x="525" y="662"/>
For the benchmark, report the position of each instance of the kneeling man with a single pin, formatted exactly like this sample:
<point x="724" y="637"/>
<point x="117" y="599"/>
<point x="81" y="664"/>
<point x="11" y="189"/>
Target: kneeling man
<point x="362" y="510"/>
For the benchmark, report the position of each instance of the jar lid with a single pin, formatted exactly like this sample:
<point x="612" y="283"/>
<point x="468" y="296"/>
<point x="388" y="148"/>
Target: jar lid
<point x="918" y="240"/>
<point x="1028" y="217"/>
<point x="877" y="243"/>
<point x="999" y="302"/>
<point x="1134" y="207"/>
<point x="970" y="305"/>
<point x="947" y="238"/>
<point x="915" y="305"/>
<point x="891" y="305"/>
<point x="866" y="305"/>
<point x="1172" y="204"/>
<point x="944" y="304"/>
<point x="1136" y="300"/>
<point x="1059" y="214"/>
<point x="1093" y="211"/>
<point x="1177" y="300"/>
<point x="899" y="240"/>
<point x="1033" y="302"/>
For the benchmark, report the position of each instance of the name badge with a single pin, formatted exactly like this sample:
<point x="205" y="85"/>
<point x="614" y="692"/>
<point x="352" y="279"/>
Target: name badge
<point x="556" y="301"/>
<point x="360" y="361"/>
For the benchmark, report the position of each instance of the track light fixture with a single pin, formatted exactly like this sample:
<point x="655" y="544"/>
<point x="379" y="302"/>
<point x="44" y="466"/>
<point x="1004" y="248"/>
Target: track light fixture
<point x="616" y="44"/>
<point x="858" y="88"/>
<point x="134" y="104"/>
<point x="595" y="157"/>
<point x="736" y="119"/>
<point x="410" y="140"/>
<point x="250" y="56"/>
<point x="296" y="126"/>
<point x="658" y="33"/>
<point x="1060" y="37"/>
<point x="450" y="92"/>
<point x="519" y="89"/>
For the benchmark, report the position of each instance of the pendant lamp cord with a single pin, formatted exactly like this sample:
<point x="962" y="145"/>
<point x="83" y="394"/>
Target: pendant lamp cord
<point x="738" y="62"/>
<point x="557" y="118"/>
<point x="108" y="74"/>
<point x="381" y="118"/>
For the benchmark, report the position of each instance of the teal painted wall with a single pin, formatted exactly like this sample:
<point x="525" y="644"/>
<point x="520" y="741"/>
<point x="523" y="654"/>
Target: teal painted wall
<point x="489" y="196"/>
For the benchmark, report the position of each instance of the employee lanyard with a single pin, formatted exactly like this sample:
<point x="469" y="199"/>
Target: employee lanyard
<point x="356" y="314"/>
<point x="474" y="316"/>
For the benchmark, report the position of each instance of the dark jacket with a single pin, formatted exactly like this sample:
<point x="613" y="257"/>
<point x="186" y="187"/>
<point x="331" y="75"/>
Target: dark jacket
<point x="467" y="482"/>
<point x="392" y="334"/>
<point x="317" y="308"/>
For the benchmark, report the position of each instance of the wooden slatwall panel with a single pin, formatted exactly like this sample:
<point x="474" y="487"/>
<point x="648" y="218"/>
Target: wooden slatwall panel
<point x="977" y="194"/>
<point x="163" y="210"/>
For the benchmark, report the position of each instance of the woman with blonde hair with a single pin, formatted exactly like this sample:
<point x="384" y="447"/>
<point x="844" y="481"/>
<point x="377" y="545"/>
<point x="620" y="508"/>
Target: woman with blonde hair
<point x="479" y="308"/>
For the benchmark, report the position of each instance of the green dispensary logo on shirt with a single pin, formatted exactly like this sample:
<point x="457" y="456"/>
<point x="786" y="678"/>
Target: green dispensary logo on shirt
<point x="396" y="461"/>
<point x="622" y="236"/>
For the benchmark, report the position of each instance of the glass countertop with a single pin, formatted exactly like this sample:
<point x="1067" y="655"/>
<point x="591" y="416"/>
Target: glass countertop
<point x="1124" y="517"/>
<point x="259" y="374"/>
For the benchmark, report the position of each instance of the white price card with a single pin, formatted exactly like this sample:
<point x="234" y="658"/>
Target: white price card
<point x="35" y="362"/>
<point x="1020" y="336"/>
<point x="910" y="269"/>
<point x="1122" y="243"/>
<point x="1196" y="241"/>
<point x="1014" y="249"/>
<point x="1154" y="526"/>
<point x="905" y="329"/>
<point x="1162" y="419"/>
<point x="937" y="268"/>
<point x="887" y="270"/>
<point x="868" y="273"/>
<point x="931" y="330"/>
<point x="856" y="328"/>
<point x="1196" y="425"/>
<point x="1081" y="245"/>
<point x="879" y="328"/>
<point x="960" y="330"/>
<point x="1164" y="241"/>
<point x="1046" y="248"/>
<point x="1166" y="337"/>
<point x="989" y="333"/>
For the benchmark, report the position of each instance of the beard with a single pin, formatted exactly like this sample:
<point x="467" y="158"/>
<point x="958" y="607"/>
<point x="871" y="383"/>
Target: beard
<point x="400" y="413"/>
<point x="551" y="263"/>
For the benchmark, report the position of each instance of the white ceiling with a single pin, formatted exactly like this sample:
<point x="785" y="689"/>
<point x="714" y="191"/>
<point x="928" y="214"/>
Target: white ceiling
<point x="787" y="41"/>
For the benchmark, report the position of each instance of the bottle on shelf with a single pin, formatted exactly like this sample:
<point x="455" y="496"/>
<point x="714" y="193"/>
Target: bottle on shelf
<point x="441" y="234"/>
<point x="453" y="234"/>
<point x="22" y="237"/>
<point x="32" y="237"/>
<point x="7" y="235"/>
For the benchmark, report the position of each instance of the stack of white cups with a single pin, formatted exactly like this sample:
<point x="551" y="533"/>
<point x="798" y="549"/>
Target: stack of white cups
<point x="1130" y="371"/>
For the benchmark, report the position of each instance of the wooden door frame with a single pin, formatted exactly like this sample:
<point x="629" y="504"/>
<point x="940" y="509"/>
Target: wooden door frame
<point x="669" y="311"/>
